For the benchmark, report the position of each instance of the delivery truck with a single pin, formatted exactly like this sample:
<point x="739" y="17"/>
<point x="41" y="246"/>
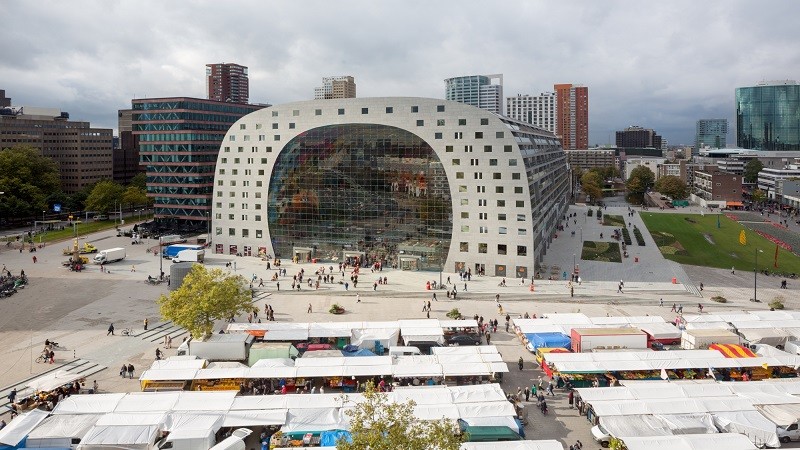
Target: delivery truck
<point x="190" y="255"/>
<point x="221" y="347"/>
<point x="109" y="256"/>
<point x="701" y="338"/>
<point x="171" y="251"/>
<point x="588" y="339"/>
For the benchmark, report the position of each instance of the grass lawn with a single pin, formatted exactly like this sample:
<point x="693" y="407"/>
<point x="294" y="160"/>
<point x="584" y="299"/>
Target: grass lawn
<point x="613" y="221"/>
<point x="696" y="240"/>
<point x="601" y="251"/>
<point x="84" y="228"/>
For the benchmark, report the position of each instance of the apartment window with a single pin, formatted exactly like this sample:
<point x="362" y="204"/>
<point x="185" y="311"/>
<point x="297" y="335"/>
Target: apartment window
<point x="481" y="189"/>
<point x="258" y="194"/>
<point x="483" y="230"/>
<point x="483" y="216"/>
<point x="364" y="110"/>
<point x="245" y="231"/>
<point x="232" y="137"/>
<point x="456" y="162"/>
<point x="277" y="137"/>
<point x="389" y="110"/>
<point x="240" y="149"/>
<point x="258" y="183"/>
<point x="497" y="176"/>
<point x="518" y="189"/>
<point x="222" y="171"/>
<point x="522" y="250"/>
<point x="520" y="203"/>
<point x="478" y="175"/>
<point x="507" y="148"/>
<point x="258" y="205"/>
<point x="439" y="122"/>
<point x="233" y="182"/>
<point x="219" y="231"/>
<point x="522" y="231"/>
<point x="261" y="171"/>
<point x="501" y="203"/>
<point x="420" y="123"/>
<point x="291" y="125"/>
<point x="515" y="176"/>
<point x="263" y="160"/>
<point x="473" y="162"/>
<point x="482" y="202"/>
<point x="487" y="148"/>
<point x="274" y="126"/>
<point x="439" y="108"/>
<point x="520" y="217"/>
<point x="232" y="194"/>
<point x="231" y="231"/>
<point x="462" y="188"/>
<point x="501" y="217"/>
<point x="502" y="249"/>
<point x="231" y="217"/>
<point x="467" y="149"/>
<point x="274" y="113"/>
<point x="479" y="135"/>
<point x="465" y="228"/>
<point x="464" y="215"/>
<point x="231" y="205"/>
<point x="220" y="183"/>
<point x="448" y="148"/>
<point x="258" y="232"/>
<point x="498" y="189"/>
<point x="219" y="205"/>
<point x="269" y="149"/>
<point x="459" y="175"/>
<point x="482" y="248"/>
<point x="218" y="216"/>
<point x="462" y="122"/>
<point x="484" y="121"/>
<point x="295" y="112"/>
<point x="463" y="246"/>
<point x="227" y="149"/>
<point x="258" y="218"/>
<point x="503" y="230"/>
<point x="249" y="160"/>
<point x="458" y="135"/>
<point x="415" y="109"/>
<point x="258" y="126"/>
<point x="262" y="137"/>
<point x="317" y="112"/>
<point x="246" y="137"/>
<point x="437" y="135"/>
<point x="512" y="162"/>
<point x="341" y="111"/>
<point x="499" y="135"/>
<point x="464" y="201"/>
<point x="253" y="149"/>
<point x="492" y="162"/>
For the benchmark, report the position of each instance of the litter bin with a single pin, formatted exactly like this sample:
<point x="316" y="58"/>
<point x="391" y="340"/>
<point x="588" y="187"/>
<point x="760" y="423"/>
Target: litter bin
<point x="636" y="259"/>
<point x="674" y="280"/>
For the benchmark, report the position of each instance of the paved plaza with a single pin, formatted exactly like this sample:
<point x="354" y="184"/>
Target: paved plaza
<point x="75" y="309"/>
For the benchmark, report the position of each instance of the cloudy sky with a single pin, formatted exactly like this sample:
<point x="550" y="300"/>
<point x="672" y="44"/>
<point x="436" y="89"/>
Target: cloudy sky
<point x="661" y="65"/>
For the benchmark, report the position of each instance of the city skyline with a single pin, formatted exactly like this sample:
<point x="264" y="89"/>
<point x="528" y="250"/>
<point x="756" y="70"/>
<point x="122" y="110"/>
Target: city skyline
<point x="667" y="70"/>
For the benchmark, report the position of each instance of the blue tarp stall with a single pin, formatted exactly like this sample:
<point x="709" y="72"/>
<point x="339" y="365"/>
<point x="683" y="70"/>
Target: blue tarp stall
<point x="547" y="340"/>
<point x="329" y="438"/>
<point x="359" y="352"/>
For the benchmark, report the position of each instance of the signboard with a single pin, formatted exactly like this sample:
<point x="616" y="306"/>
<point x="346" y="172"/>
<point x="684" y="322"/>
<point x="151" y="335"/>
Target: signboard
<point x="57" y="207"/>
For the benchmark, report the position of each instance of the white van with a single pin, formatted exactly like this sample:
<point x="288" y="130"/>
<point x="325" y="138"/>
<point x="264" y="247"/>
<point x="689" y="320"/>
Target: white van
<point x="404" y="351"/>
<point x="792" y="347"/>
<point x="187" y="440"/>
<point x="235" y="441"/>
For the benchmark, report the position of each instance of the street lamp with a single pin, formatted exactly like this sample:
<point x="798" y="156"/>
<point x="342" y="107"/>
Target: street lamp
<point x="755" y="277"/>
<point x="573" y="264"/>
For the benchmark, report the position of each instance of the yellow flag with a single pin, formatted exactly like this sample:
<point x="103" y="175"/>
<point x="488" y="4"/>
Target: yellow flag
<point x="742" y="238"/>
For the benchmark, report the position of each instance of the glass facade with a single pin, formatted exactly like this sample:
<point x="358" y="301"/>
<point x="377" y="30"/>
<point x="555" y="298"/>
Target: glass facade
<point x="366" y="190"/>
<point x="768" y="117"/>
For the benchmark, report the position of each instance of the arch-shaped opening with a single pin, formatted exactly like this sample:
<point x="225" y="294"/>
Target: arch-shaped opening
<point x="350" y="189"/>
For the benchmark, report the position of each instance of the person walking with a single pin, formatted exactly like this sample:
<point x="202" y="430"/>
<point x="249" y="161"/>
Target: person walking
<point x="571" y="398"/>
<point x="130" y="370"/>
<point x="661" y="302"/>
<point x="674" y="308"/>
<point x="169" y="341"/>
<point x="133" y="268"/>
<point x="434" y="297"/>
<point x="527" y="395"/>
<point x="145" y="322"/>
<point x="358" y="298"/>
<point x="309" y="309"/>
<point x="34" y="259"/>
<point x="520" y="363"/>
<point x="110" y="330"/>
<point x="158" y="354"/>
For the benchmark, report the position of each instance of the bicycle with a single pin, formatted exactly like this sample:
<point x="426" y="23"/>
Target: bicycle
<point x="127" y="332"/>
<point x="42" y="359"/>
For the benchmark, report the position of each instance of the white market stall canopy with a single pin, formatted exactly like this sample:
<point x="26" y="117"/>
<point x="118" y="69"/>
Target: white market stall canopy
<point x="564" y="323"/>
<point x="728" y="441"/>
<point x="602" y="362"/>
<point x="514" y="445"/>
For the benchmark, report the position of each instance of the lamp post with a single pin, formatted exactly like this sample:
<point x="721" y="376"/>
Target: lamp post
<point x="573" y="264"/>
<point x="160" y="260"/>
<point x="755" y="277"/>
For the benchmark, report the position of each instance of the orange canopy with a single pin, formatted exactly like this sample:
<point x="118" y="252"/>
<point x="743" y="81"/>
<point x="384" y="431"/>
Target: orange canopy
<point x="732" y="350"/>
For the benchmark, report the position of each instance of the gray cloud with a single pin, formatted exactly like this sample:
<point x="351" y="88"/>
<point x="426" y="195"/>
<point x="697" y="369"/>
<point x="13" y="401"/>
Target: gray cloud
<point x="657" y="64"/>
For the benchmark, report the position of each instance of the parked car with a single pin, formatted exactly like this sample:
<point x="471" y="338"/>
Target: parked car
<point x="464" y="339"/>
<point x="601" y="435"/>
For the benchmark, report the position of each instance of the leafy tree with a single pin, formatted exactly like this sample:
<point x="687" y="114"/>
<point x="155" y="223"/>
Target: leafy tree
<point x="104" y="195"/>
<point x="751" y="170"/>
<point x="639" y="182"/>
<point x="378" y="424"/>
<point x="140" y="181"/>
<point x="609" y="172"/>
<point x="672" y="186"/>
<point x="134" y="195"/>
<point x="592" y="185"/>
<point x="759" y="196"/>
<point x="204" y="297"/>
<point x="27" y="180"/>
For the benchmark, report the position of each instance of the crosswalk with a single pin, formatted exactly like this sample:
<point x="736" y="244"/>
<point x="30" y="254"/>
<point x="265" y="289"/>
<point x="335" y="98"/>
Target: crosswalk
<point x="157" y="333"/>
<point x="82" y="367"/>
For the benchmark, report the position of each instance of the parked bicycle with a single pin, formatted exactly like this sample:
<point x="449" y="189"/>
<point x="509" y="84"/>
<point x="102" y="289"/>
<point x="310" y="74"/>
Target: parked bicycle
<point x="127" y="332"/>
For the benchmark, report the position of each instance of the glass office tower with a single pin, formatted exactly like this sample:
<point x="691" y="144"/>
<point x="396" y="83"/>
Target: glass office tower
<point x="768" y="116"/>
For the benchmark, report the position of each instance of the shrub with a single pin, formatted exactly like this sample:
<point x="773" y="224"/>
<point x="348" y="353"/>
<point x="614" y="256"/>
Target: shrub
<point x="777" y="303"/>
<point x="336" y="309"/>
<point x="719" y="299"/>
<point x="626" y="236"/>
<point x="638" y="234"/>
<point x="454" y="314"/>
<point x="599" y="213"/>
<point x="590" y="213"/>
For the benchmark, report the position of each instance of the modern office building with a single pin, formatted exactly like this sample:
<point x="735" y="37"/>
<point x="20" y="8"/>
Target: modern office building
<point x="770" y="179"/>
<point x="638" y="137"/>
<point x="477" y="91"/>
<point x="336" y="87"/>
<point x="83" y="153"/>
<point x="710" y="133"/>
<point x="572" y="115"/>
<point x="227" y="82"/>
<point x="537" y="110"/>
<point x="768" y="116"/>
<point x="414" y="183"/>
<point x="126" y="155"/>
<point x="179" y="139"/>
<point x="4" y="101"/>
<point x="717" y="189"/>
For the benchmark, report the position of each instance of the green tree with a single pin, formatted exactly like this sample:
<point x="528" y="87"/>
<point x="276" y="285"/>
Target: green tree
<point x="104" y="195"/>
<point x="27" y="179"/>
<point x="751" y="170"/>
<point x="592" y="185"/>
<point x="609" y="172"/>
<point x="204" y="297"/>
<point x="639" y="182"/>
<point x="759" y="196"/>
<point x="135" y="196"/>
<point x="140" y="181"/>
<point x="378" y="424"/>
<point x="672" y="186"/>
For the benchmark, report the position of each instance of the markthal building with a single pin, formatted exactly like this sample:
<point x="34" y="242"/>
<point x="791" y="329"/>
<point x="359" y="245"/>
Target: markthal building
<point x="412" y="183"/>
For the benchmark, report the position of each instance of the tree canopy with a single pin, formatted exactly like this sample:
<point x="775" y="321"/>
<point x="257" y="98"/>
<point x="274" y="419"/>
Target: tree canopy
<point x="135" y="196"/>
<point x="592" y="185"/>
<point x="751" y="170"/>
<point x="759" y="196"/>
<point x="378" y="424"/>
<point x="204" y="297"/>
<point x="672" y="186"/>
<point x="104" y="196"/>
<point x="639" y="182"/>
<point x="27" y="179"/>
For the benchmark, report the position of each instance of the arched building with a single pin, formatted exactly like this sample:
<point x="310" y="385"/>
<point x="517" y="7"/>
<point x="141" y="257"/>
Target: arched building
<point x="416" y="183"/>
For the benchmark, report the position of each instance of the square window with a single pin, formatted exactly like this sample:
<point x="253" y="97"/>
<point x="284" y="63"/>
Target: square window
<point x="236" y="160"/>
<point x="389" y="110"/>
<point x="341" y="111"/>
<point x="448" y="148"/>
<point x="520" y="217"/>
<point x="462" y="188"/>
<point x="439" y="122"/>
<point x="487" y="148"/>
<point x="522" y="231"/>
<point x="232" y="138"/>
<point x="464" y="201"/>
<point x="518" y="189"/>
<point x="258" y="218"/>
<point x="515" y="176"/>
<point x="522" y="250"/>
<point x="277" y="137"/>
<point x="231" y="231"/>
<point x="291" y="126"/>
<point x="317" y="112"/>
<point x="456" y="162"/>
<point x="240" y="149"/>
<point x="484" y="121"/>
<point x="415" y="109"/>
<point x="459" y="175"/>
<point x="274" y="113"/>
<point x="501" y="217"/>
<point x="492" y="162"/>
<point x="420" y="123"/>
<point x="503" y="230"/>
<point x="231" y="217"/>
<point x="261" y="171"/>
<point x="263" y="160"/>
<point x="501" y="203"/>
<point x="520" y="203"/>
<point x="258" y="232"/>
<point x="465" y="228"/>
<point x="464" y="215"/>
<point x="462" y="122"/>
<point x="234" y="171"/>
<point x="222" y="171"/>
<point x="274" y="126"/>
<point x="502" y="249"/>
<point x="437" y="135"/>
<point x="512" y="162"/>
<point x="258" y="126"/>
<point x="498" y="189"/>
<point x="497" y="176"/>
<point x="219" y="231"/>
<point x="479" y="135"/>
<point x="258" y="183"/>
<point x="247" y="137"/>
<point x="295" y="112"/>
<point x="269" y="149"/>
<point x="507" y="148"/>
<point x="364" y="110"/>
<point x="439" y="108"/>
<point x="227" y="149"/>
<point x="245" y="232"/>
<point x="499" y="135"/>
<point x="482" y="248"/>
<point x="463" y="246"/>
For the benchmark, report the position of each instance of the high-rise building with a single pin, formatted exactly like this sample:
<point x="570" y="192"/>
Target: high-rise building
<point x="710" y="133"/>
<point x="83" y="153"/>
<point x="179" y="140"/>
<point x="638" y="137"/>
<point x="572" y="115"/>
<point x="126" y="155"/>
<point x="227" y="82"/>
<point x="336" y="87"/>
<point x="537" y="110"/>
<point x="476" y="90"/>
<point x="4" y="101"/>
<point x="768" y="116"/>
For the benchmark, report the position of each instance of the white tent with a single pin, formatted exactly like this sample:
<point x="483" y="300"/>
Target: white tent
<point x="421" y="334"/>
<point x="366" y="338"/>
<point x="749" y="423"/>
<point x="782" y="415"/>
<point x="514" y="445"/>
<point x="58" y="431"/>
<point x="128" y="437"/>
<point x="254" y="417"/>
<point x="53" y="380"/>
<point x="728" y="441"/>
<point x="129" y="418"/>
<point x="770" y="336"/>
<point x="88" y="404"/>
<point x="315" y="419"/>
<point x="17" y="429"/>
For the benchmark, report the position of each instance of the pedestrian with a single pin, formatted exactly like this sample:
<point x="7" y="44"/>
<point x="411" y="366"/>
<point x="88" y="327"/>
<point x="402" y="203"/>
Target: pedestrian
<point x="358" y="298"/>
<point x="674" y="308"/>
<point x="158" y="354"/>
<point x="701" y="286"/>
<point x="123" y="370"/>
<point x="434" y="297"/>
<point x="145" y="324"/>
<point x="52" y="356"/>
<point x="34" y="259"/>
<point x="110" y="330"/>
<point x="169" y="341"/>
<point x="429" y="305"/>
<point x="133" y="268"/>
<point x="571" y="398"/>
<point x="309" y="309"/>
<point x="465" y="287"/>
<point x="680" y="309"/>
<point x="497" y="298"/>
<point x="424" y="306"/>
<point x="733" y="270"/>
<point x="278" y="284"/>
<point x="95" y="388"/>
<point x="661" y="302"/>
<point x="488" y="338"/>
<point x="619" y="289"/>
<point x="260" y="282"/>
<point x="428" y="314"/>
<point x="700" y="308"/>
<point x="527" y="395"/>
<point x="520" y="363"/>
<point x="130" y="370"/>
